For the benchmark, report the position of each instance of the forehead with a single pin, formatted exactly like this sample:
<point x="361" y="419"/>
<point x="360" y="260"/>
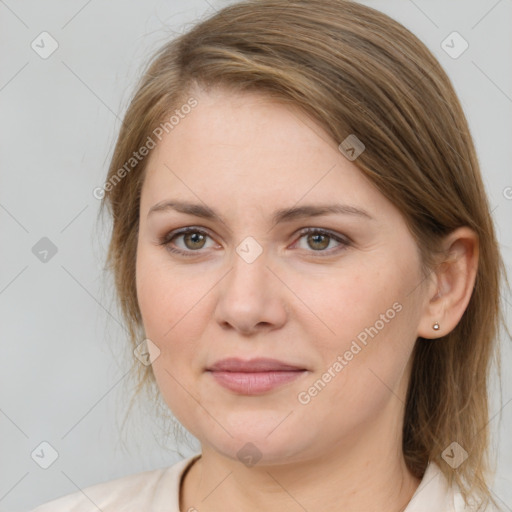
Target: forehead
<point x="238" y="123"/>
<point x="253" y="151"/>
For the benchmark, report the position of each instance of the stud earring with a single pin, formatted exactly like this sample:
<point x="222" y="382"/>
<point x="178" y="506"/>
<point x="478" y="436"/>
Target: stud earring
<point x="436" y="326"/>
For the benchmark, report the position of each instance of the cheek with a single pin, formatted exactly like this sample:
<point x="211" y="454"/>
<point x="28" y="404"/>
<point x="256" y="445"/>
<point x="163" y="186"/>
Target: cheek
<point x="367" y="319"/>
<point x="170" y="309"/>
<point x="163" y="294"/>
<point x="173" y="309"/>
<point x="341" y="305"/>
<point x="377" y="342"/>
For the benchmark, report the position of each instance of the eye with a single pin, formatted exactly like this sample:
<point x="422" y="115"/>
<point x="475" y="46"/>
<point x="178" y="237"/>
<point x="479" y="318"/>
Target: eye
<point x="193" y="238"/>
<point x="320" y="239"/>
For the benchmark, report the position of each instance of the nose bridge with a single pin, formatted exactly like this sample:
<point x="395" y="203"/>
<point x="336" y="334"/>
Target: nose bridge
<point x="248" y="296"/>
<point x="249" y="274"/>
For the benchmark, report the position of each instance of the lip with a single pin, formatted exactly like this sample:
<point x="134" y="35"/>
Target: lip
<point x="255" y="376"/>
<point x="261" y="364"/>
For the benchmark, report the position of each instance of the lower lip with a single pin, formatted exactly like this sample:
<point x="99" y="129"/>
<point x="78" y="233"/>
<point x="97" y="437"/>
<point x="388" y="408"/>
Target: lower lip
<point x="254" y="383"/>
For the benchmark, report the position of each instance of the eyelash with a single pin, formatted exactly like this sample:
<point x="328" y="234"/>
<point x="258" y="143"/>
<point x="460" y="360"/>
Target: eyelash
<point x="166" y="240"/>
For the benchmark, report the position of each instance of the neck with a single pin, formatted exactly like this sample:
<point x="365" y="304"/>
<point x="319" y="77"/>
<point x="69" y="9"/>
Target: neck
<point x="353" y="476"/>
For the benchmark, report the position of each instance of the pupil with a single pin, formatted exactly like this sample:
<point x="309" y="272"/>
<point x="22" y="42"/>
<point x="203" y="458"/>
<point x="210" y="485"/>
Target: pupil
<point x="316" y="240"/>
<point x="195" y="237"/>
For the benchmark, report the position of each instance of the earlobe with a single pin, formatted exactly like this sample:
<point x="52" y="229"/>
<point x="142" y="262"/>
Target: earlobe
<point x="454" y="283"/>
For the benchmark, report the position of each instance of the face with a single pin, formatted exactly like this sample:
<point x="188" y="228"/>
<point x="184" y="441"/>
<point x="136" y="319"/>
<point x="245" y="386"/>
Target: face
<point x="333" y="295"/>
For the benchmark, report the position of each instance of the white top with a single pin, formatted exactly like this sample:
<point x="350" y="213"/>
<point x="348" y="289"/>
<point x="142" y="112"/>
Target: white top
<point x="158" y="491"/>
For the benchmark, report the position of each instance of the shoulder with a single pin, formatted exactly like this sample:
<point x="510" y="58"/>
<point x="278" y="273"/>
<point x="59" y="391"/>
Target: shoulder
<point x="140" y="491"/>
<point x="460" y="506"/>
<point x="434" y="493"/>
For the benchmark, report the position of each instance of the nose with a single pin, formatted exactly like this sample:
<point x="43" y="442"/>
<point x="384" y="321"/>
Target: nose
<point x="251" y="298"/>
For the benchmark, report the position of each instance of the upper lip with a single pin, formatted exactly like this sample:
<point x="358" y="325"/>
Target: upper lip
<point x="234" y="364"/>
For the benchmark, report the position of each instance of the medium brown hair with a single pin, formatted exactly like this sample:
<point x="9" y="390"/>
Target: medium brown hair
<point x="356" y="71"/>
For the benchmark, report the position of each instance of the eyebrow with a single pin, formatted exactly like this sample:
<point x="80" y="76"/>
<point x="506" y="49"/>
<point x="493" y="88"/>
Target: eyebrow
<point x="280" y="216"/>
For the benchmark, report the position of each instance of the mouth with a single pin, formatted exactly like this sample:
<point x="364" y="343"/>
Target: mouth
<point x="255" y="376"/>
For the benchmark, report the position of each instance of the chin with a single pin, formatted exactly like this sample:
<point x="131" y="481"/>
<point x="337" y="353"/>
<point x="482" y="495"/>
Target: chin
<point x="257" y="440"/>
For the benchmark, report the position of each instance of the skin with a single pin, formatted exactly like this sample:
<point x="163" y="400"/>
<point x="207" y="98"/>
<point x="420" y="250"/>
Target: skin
<point x="245" y="155"/>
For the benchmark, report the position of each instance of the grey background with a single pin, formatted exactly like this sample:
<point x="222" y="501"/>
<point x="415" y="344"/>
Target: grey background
<point x="63" y="364"/>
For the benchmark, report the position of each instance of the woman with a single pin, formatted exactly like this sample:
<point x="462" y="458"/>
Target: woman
<point x="302" y="239"/>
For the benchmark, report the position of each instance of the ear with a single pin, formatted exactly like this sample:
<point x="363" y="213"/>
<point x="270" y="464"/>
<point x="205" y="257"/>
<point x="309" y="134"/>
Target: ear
<point x="451" y="284"/>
